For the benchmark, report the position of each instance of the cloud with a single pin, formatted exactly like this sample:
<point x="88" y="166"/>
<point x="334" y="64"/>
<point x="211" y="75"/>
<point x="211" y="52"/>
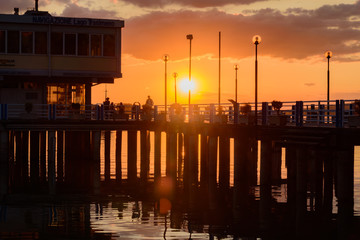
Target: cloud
<point x="73" y="9"/>
<point x="23" y="5"/>
<point x="294" y="34"/>
<point x="190" y="3"/>
<point x="310" y="84"/>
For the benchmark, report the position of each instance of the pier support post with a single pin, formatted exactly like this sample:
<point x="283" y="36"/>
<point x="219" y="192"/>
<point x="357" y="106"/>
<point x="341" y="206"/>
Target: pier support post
<point x="60" y="156"/>
<point x="328" y="183"/>
<point x="118" y="156"/>
<point x="180" y="156"/>
<point x="290" y="158"/>
<point x="4" y="162"/>
<point x="107" y="156"/>
<point x="132" y="157"/>
<point x="265" y="183"/>
<point x="241" y="177"/>
<point x="172" y="158"/>
<point x="96" y="142"/>
<point x="43" y="157"/>
<point x="144" y="155"/>
<point x="51" y="162"/>
<point x="301" y="189"/>
<point x="224" y="162"/>
<point x="157" y="153"/>
<point x="193" y="160"/>
<point x="345" y="186"/>
<point x="212" y="166"/>
<point x="276" y="164"/>
<point x="34" y="158"/>
<point x="204" y="173"/>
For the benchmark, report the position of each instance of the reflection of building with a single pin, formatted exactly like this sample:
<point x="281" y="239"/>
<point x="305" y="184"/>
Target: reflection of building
<point x="46" y="59"/>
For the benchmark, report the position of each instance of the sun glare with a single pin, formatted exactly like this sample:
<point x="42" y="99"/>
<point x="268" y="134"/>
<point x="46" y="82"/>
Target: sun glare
<point x="185" y="85"/>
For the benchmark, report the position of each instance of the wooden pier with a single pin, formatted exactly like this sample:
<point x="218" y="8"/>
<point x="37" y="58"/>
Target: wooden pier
<point x="56" y="156"/>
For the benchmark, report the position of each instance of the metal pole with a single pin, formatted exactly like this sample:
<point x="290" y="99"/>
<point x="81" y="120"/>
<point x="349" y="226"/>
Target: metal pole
<point x="256" y="82"/>
<point x="175" y="76"/>
<point x="236" y="83"/>
<point x="328" y="88"/>
<point x="165" y="60"/>
<point x="190" y="37"/>
<point x="219" y="69"/>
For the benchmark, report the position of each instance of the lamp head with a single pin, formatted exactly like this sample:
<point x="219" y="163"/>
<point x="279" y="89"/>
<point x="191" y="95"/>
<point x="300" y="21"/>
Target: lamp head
<point x="166" y="57"/>
<point x="189" y="36"/>
<point x="236" y="67"/>
<point x="175" y="74"/>
<point x="256" y="39"/>
<point x="328" y="54"/>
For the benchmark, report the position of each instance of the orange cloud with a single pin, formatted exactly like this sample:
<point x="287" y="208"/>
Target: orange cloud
<point x="191" y="3"/>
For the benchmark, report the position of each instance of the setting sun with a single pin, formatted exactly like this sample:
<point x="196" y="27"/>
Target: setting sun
<point x="185" y="85"/>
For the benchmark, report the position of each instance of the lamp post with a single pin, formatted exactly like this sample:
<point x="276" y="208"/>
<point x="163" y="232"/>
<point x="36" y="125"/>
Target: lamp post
<point x="175" y="76"/>
<point x="166" y="59"/>
<point x="256" y="40"/>
<point x="190" y="37"/>
<point x="328" y="55"/>
<point x="236" y="67"/>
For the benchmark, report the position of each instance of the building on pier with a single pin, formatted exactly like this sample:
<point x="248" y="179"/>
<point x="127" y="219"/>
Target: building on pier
<point x="46" y="59"/>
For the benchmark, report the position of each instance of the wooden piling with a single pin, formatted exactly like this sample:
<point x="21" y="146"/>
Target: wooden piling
<point x="60" y="156"/>
<point x="180" y="156"/>
<point x="276" y="164"/>
<point x="224" y="162"/>
<point x="204" y="153"/>
<point x="290" y="158"/>
<point x="118" y="152"/>
<point x="4" y="162"/>
<point x="51" y="162"/>
<point x="172" y="173"/>
<point x="212" y="171"/>
<point x="193" y="160"/>
<point x="144" y="155"/>
<point x="107" y="156"/>
<point x="345" y="184"/>
<point x="96" y="143"/>
<point x="157" y="156"/>
<point x="132" y="156"/>
<point x="328" y="183"/>
<point x="301" y="189"/>
<point x="43" y="157"/>
<point x="265" y="183"/>
<point x="34" y="158"/>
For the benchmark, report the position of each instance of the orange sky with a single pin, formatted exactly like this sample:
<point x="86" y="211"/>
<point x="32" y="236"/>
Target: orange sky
<point x="292" y="65"/>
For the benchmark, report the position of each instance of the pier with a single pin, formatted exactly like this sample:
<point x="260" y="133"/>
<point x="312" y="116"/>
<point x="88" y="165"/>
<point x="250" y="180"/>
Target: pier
<point x="51" y="151"/>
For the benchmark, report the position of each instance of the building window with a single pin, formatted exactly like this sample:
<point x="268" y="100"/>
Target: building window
<point x="2" y="41"/>
<point x="27" y="42"/>
<point x="83" y="44"/>
<point x="41" y="43"/>
<point x="109" y="45"/>
<point x="70" y="44"/>
<point x="95" y="45"/>
<point x="57" y="43"/>
<point x="13" y="41"/>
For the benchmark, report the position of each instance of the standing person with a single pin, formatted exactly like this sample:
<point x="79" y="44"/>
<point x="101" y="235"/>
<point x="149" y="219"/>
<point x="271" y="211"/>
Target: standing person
<point x="149" y="102"/>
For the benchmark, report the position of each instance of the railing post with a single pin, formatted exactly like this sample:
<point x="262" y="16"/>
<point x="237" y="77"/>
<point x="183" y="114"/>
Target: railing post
<point x="54" y="112"/>
<point x="339" y="113"/>
<point x="236" y="113"/>
<point x="212" y="113"/>
<point x="102" y="112"/>
<point x="264" y="113"/>
<point x="49" y="111"/>
<point x="299" y="114"/>
<point x="156" y="113"/>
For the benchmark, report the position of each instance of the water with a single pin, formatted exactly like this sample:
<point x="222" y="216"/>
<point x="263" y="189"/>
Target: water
<point x="133" y="217"/>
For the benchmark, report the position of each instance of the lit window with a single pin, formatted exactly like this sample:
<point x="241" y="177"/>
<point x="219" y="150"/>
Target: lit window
<point x="27" y="42"/>
<point x="83" y="44"/>
<point x="95" y="45"/>
<point x="57" y="43"/>
<point x="41" y="43"/>
<point x="109" y="45"/>
<point x="70" y="44"/>
<point x="13" y="41"/>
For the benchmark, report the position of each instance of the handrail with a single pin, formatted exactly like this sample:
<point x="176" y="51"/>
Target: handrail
<point x="341" y="113"/>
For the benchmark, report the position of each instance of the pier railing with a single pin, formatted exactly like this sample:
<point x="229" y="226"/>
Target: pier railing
<point x="336" y="113"/>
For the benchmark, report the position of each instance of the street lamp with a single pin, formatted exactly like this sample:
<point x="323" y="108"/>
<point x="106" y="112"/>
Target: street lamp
<point x="328" y="55"/>
<point x="236" y="67"/>
<point x="256" y="40"/>
<point x="166" y="59"/>
<point x="175" y="76"/>
<point x="190" y="37"/>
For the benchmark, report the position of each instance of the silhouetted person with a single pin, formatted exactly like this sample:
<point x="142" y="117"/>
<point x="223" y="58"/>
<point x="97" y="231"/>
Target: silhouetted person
<point x="149" y="102"/>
